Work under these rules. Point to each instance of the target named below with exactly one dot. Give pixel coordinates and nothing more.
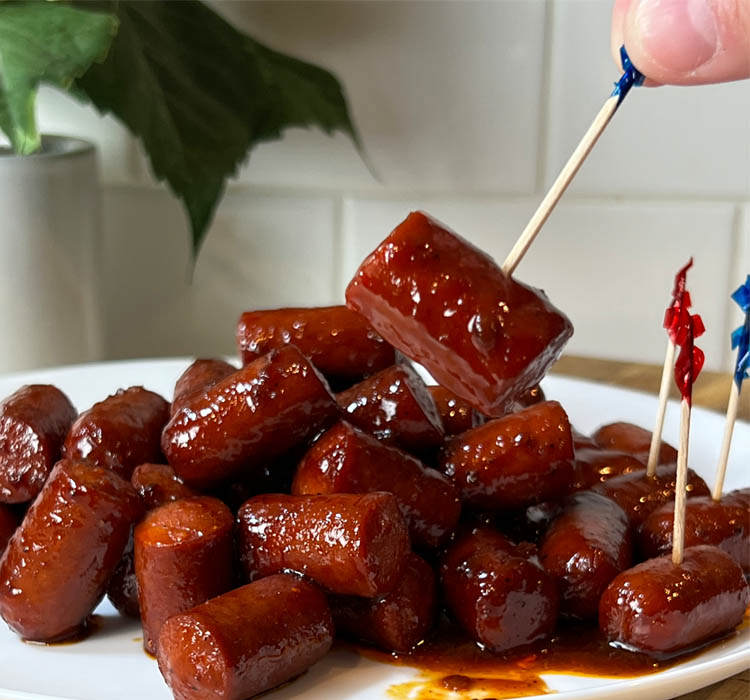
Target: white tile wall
(467, 110)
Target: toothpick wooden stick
(666, 377)
(734, 399)
(630, 77)
(678, 534)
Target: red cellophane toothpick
(689, 364)
(674, 319)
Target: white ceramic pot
(49, 238)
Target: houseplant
(197, 94)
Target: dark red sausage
(156, 484)
(183, 557)
(197, 379)
(724, 524)
(525, 399)
(584, 549)
(596, 465)
(501, 599)
(346, 460)
(245, 641)
(581, 441)
(512, 462)
(8, 525)
(120, 432)
(659, 606)
(638, 494)
(57, 565)
(395, 406)
(350, 544)
(33, 424)
(448, 306)
(631, 438)
(338, 341)
(399, 620)
(456, 414)
(254, 415)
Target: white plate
(111, 665)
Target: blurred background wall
(467, 110)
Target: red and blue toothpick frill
(677, 315)
(741, 335)
(630, 77)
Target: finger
(619, 11)
(689, 42)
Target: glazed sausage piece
(639, 495)
(447, 305)
(156, 484)
(724, 524)
(346, 460)
(395, 406)
(658, 606)
(183, 557)
(399, 620)
(120, 432)
(198, 378)
(33, 424)
(245, 641)
(253, 416)
(501, 599)
(456, 415)
(584, 549)
(515, 461)
(631, 438)
(8, 525)
(338, 341)
(77, 530)
(595, 465)
(525, 399)
(350, 544)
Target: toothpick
(666, 378)
(734, 399)
(680, 489)
(630, 77)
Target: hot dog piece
(395, 406)
(245, 641)
(584, 549)
(350, 544)
(254, 415)
(157, 484)
(448, 306)
(8, 525)
(77, 530)
(338, 341)
(346, 460)
(596, 465)
(120, 432)
(639, 495)
(501, 599)
(33, 424)
(399, 620)
(183, 557)
(456, 415)
(724, 524)
(512, 462)
(198, 378)
(659, 606)
(631, 438)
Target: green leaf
(199, 94)
(44, 42)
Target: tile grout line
(543, 127)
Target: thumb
(688, 42)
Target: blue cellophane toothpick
(741, 335)
(631, 76)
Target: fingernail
(680, 35)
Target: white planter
(49, 238)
